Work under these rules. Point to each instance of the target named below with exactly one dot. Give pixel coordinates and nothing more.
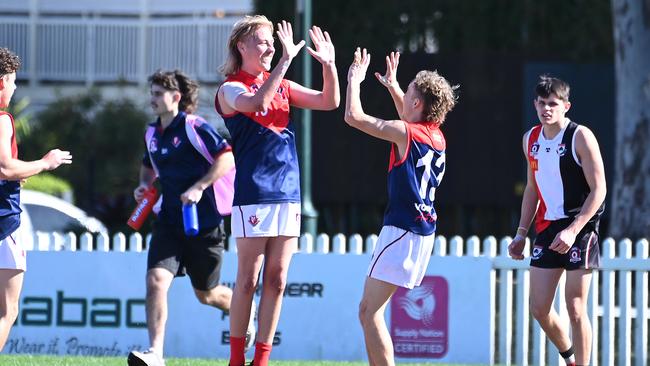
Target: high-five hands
(359, 67)
(324, 51)
(285, 35)
(389, 79)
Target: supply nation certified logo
(419, 320)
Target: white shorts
(12, 253)
(400, 257)
(266, 220)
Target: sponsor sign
(419, 323)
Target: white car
(47, 213)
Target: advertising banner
(93, 304)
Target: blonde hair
(439, 96)
(241, 30)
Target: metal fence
(618, 305)
(93, 49)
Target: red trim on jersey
(540, 222)
(14, 145)
(276, 117)
(426, 132)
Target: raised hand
(324, 52)
(359, 67)
(389, 79)
(285, 35)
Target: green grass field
(121, 361)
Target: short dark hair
(548, 85)
(9, 61)
(177, 81)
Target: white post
(70, 242)
(338, 244)
(135, 242)
(609, 285)
(306, 243)
(119, 242)
(594, 313)
(539, 345)
(322, 244)
(641, 299)
(232, 244)
(371, 243)
(147, 240)
(473, 246)
(57, 241)
(523, 326)
(456, 246)
(440, 246)
(86, 242)
(505, 309)
(103, 244)
(490, 250)
(624, 338)
(356, 244)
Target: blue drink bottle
(190, 219)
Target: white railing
(92, 49)
(618, 305)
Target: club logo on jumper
(537, 251)
(153, 145)
(561, 149)
(420, 319)
(548, 149)
(176, 141)
(534, 149)
(575, 255)
(253, 220)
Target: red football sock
(262, 354)
(237, 356)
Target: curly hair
(548, 85)
(9, 61)
(177, 81)
(241, 30)
(439, 96)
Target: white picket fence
(618, 305)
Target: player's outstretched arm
(330, 97)
(529, 203)
(389, 80)
(260, 101)
(15, 169)
(393, 131)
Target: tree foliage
(105, 139)
(557, 30)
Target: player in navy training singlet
(13, 262)
(185, 176)
(565, 192)
(417, 165)
(254, 104)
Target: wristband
(522, 228)
(519, 237)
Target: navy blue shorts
(584, 254)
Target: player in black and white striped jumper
(565, 193)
